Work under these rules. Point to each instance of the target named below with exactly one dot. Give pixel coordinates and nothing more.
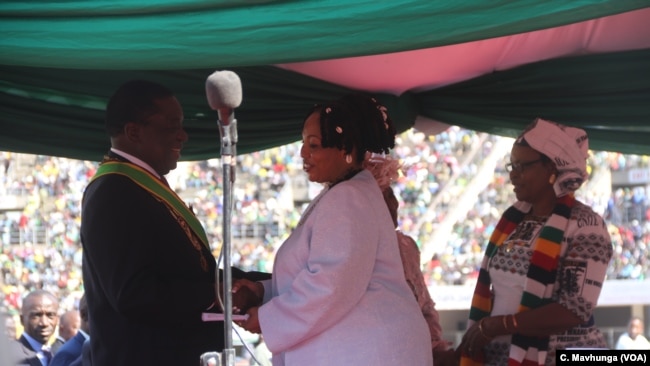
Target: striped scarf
(540, 281)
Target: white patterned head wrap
(567, 147)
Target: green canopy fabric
(60, 61)
(191, 34)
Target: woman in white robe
(338, 295)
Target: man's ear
(132, 131)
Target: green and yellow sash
(157, 188)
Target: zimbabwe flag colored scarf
(153, 185)
(540, 281)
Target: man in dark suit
(68, 327)
(84, 359)
(148, 268)
(71, 349)
(39, 317)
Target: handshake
(245, 295)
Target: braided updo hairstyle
(358, 121)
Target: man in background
(68, 326)
(39, 317)
(633, 338)
(71, 350)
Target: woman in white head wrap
(546, 260)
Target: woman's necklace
(349, 174)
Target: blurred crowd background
(41, 246)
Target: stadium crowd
(41, 248)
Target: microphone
(223, 89)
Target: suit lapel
(30, 353)
(26, 344)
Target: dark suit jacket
(143, 279)
(58, 342)
(22, 353)
(69, 351)
(84, 359)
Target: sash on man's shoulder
(157, 188)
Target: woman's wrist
(482, 329)
(509, 324)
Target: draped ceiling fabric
(490, 66)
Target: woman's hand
(474, 340)
(252, 324)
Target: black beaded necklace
(351, 173)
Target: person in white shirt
(633, 338)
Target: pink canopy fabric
(431, 68)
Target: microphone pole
(223, 89)
(228, 158)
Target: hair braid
(357, 121)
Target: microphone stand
(228, 151)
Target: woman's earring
(551, 179)
(348, 159)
